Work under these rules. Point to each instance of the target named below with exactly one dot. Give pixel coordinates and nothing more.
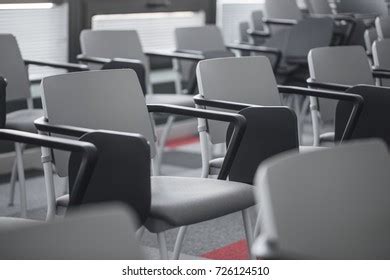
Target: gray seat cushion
(23, 120)
(172, 99)
(7, 223)
(184, 201)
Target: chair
(380, 51)
(368, 9)
(370, 36)
(330, 68)
(382, 25)
(222, 85)
(295, 206)
(13, 68)
(93, 233)
(175, 201)
(101, 46)
(319, 7)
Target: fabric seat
(23, 120)
(177, 99)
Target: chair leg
(248, 231)
(49, 183)
(179, 242)
(258, 224)
(22, 181)
(163, 140)
(162, 243)
(13, 184)
(140, 233)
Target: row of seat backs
(377, 7)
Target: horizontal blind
(42, 34)
(156, 30)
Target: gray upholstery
(242, 79)
(321, 7)
(380, 53)
(370, 35)
(111, 100)
(343, 213)
(24, 119)
(98, 233)
(347, 65)
(382, 25)
(282, 9)
(12, 67)
(257, 24)
(184, 201)
(375, 7)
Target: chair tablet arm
(327, 86)
(381, 73)
(67, 66)
(178, 54)
(355, 99)
(90, 59)
(42, 125)
(258, 33)
(221, 104)
(237, 120)
(327, 137)
(280, 21)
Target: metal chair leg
(22, 181)
(162, 243)
(13, 184)
(248, 231)
(163, 140)
(179, 242)
(140, 233)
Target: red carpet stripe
(182, 141)
(234, 251)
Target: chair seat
(8, 223)
(178, 201)
(23, 120)
(171, 99)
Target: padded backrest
(382, 25)
(308, 34)
(112, 44)
(371, 123)
(97, 233)
(321, 7)
(257, 23)
(283, 9)
(247, 80)
(376, 7)
(121, 174)
(329, 204)
(200, 38)
(110, 100)
(13, 69)
(380, 53)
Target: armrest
(355, 99)
(89, 59)
(221, 104)
(259, 49)
(178, 54)
(87, 151)
(68, 66)
(280, 21)
(258, 33)
(381, 73)
(328, 86)
(237, 120)
(44, 126)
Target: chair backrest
(3, 105)
(112, 44)
(111, 100)
(97, 233)
(347, 65)
(121, 174)
(319, 7)
(256, 23)
(261, 140)
(329, 204)
(375, 7)
(370, 35)
(380, 53)
(247, 80)
(283, 9)
(382, 25)
(308, 34)
(13, 69)
(371, 121)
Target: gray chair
(370, 36)
(327, 215)
(13, 68)
(382, 25)
(95, 233)
(105, 45)
(380, 55)
(175, 201)
(319, 7)
(337, 68)
(363, 8)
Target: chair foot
(179, 242)
(248, 232)
(162, 243)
